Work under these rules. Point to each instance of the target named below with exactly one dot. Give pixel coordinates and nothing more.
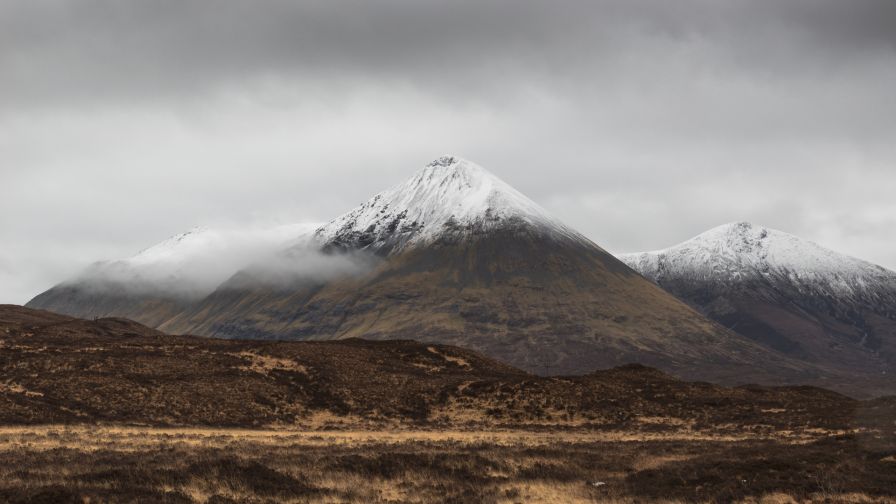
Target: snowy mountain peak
(197, 260)
(448, 195)
(741, 251)
(175, 246)
(444, 161)
(742, 238)
(741, 229)
(454, 176)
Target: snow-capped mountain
(197, 261)
(787, 292)
(449, 198)
(742, 252)
(453, 255)
(463, 258)
(156, 282)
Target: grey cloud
(104, 48)
(302, 266)
(241, 262)
(641, 123)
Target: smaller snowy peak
(179, 245)
(448, 195)
(205, 242)
(742, 251)
(197, 261)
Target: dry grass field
(59, 464)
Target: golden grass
(97, 437)
(113, 463)
(264, 364)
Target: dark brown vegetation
(109, 410)
(57, 369)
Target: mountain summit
(785, 292)
(449, 198)
(741, 251)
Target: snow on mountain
(201, 241)
(197, 261)
(449, 195)
(742, 252)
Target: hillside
(57, 369)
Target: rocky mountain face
(789, 294)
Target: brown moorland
(109, 410)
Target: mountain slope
(786, 293)
(462, 258)
(162, 280)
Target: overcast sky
(640, 123)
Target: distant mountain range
(786, 293)
(455, 255)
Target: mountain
(160, 281)
(786, 293)
(455, 255)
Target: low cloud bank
(302, 265)
(193, 264)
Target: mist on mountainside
(193, 264)
(302, 265)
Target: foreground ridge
(115, 370)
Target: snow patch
(449, 195)
(741, 251)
